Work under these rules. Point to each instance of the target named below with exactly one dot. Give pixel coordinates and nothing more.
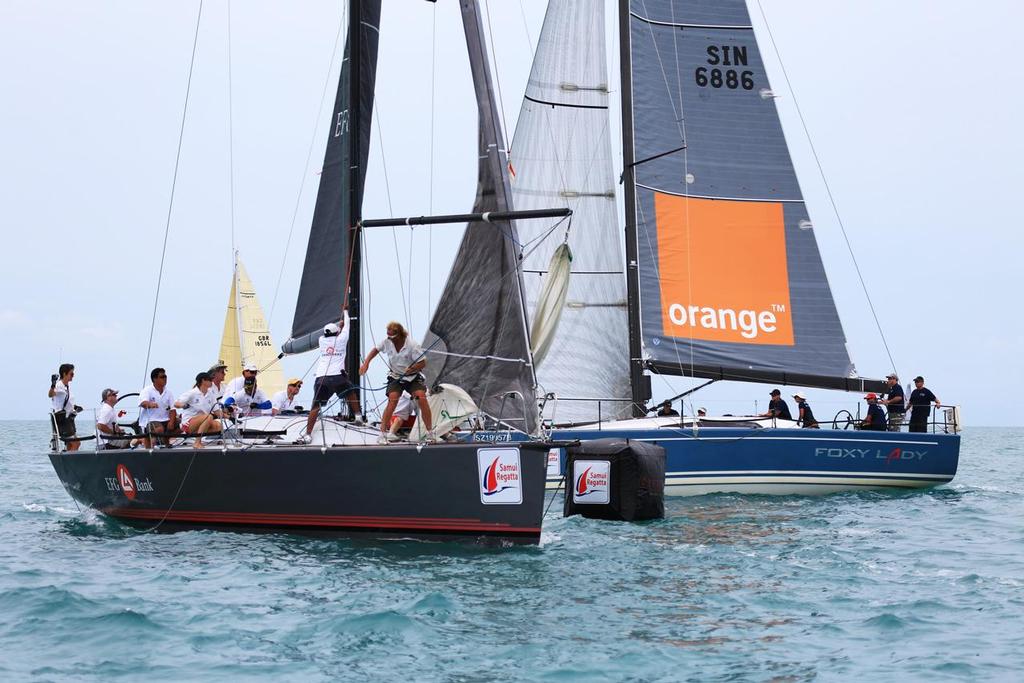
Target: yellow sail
(246, 337)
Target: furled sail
(478, 338)
(246, 337)
(322, 288)
(562, 156)
(731, 283)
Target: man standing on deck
(777, 408)
(64, 408)
(331, 378)
(921, 399)
(894, 402)
(803, 408)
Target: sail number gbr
(717, 77)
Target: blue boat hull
(782, 461)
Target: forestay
(731, 283)
(562, 156)
(478, 338)
(322, 288)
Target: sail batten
(730, 282)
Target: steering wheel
(850, 422)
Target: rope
(828, 189)
(231, 138)
(174, 182)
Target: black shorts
(65, 423)
(331, 385)
(396, 385)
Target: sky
(912, 108)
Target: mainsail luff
(730, 280)
(332, 253)
(478, 338)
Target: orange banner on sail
(723, 271)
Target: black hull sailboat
(438, 492)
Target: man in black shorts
(331, 378)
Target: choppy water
(905, 586)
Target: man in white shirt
(331, 378)
(63, 406)
(157, 403)
(249, 371)
(284, 401)
(219, 388)
(250, 401)
(106, 423)
(405, 359)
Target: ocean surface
(925, 585)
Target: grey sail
(730, 280)
(561, 155)
(329, 257)
(478, 338)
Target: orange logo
(722, 268)
(124, 478)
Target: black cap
(919, 378)
(203, 376)
(776, 392)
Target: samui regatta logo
(501, 476)
(592, 479)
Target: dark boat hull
(443, 491)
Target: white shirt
(233, 387)
(164, 401)
(332, 352)
(398, 361)
(242, 401)
(62, 397)
(106, 415)
(196, 403)
(281, 401)
(220, 392)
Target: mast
(638, 381)
(355, 190)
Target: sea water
(914, 585)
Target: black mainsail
(332, 253)
(478, 337)
(728, 282)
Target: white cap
(332, 328)
(800, 396)
(250, 367)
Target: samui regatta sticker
(500, 476)
(591, 481)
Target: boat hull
(784, 461)
(433, 492)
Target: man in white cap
(331, 378)
(249, 371)
(702, 412)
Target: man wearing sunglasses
(157, 403)
(284, 401)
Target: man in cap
(806, 417)
(249, 371)
(702, 412)
(875, 420)
(921, 399)
(666, 410)
(777, 408)
(331, 378)
(106, 422)
(284, 400)
(219, 388)
(893, 402)
(249, 401)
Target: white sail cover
(562, 156)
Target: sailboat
(343, 483)
(721, 276)
(246, 339)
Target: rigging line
(430, 199)
(664, 75)
(305, 166)
(174, 182)
(497, 78)
(391, 211)
(828, 189)
(231, 138)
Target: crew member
(198, 404)
(64, 408)
(405, 359)
(331, 378)
(249, 371)
(106, 423)
(875, 420)
(284, 400)
(250, 401)
(666, 410)
(157, 403)
(219, 388)
(702, 412)
(921, 399)
(806, 416)
(777, 408)
(894, 402)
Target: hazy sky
(913, 108)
